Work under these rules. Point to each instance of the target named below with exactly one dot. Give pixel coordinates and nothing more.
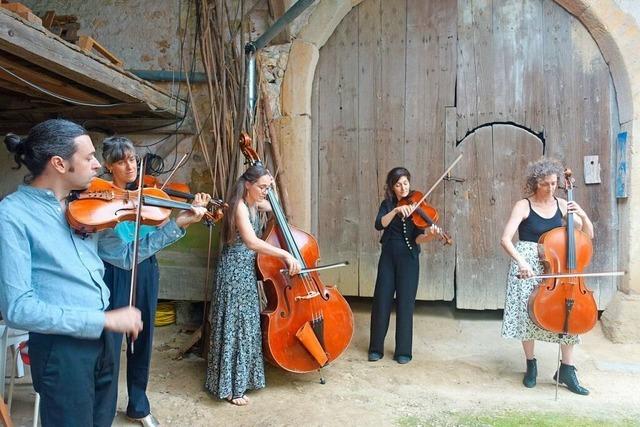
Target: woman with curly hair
(532, 216)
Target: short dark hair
(55, 137)
(392, 177)
(115, 148)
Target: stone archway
(617, 36)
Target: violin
(424, 215)
(176, 190)
(563, 303)
(306, 324)
(181, 192)
(103, 205)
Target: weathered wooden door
(493, 161)
(413, 82)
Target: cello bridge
(309, 295)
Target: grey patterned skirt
(235, 362)
(516, 322)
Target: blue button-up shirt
(50, 277)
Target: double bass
(306, 324)
(563, 303)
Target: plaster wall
(145, 34)
(630, 7)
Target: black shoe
(403, 359)
(529, 379)
(374, 356)
(568, 377)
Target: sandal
(238, 400)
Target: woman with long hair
(235, 362)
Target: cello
(306, 324)
(562, 303)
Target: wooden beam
(131, 111)
(56, 85)
(38, 46)
(19, 89)
(103, 125)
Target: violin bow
(136, 234)
(320, 268)
(567, 275)
(166, 181)
(438, 181)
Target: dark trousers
(119, 282)
(397, 274)
(74, 378)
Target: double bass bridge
(308, 296)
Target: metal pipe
(292, 13)
(252, 86)
(169, 76)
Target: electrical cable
(165, 314)
(63, 98)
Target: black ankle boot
(529, 379)
(568, 377)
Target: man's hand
(126, 320)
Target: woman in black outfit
(398, 268)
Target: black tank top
(535, 226)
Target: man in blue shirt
(51, 277)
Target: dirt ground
(462, 373)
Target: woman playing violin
(532, 216)
(121, 162)
(235, 362)
(398, 268)
(51, 278)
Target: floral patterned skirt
(235, 362)
(516, 322)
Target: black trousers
(119, 283)
(74, 378)
(398, 270)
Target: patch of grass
(544, 419)
(412, 421)
(517, 419)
